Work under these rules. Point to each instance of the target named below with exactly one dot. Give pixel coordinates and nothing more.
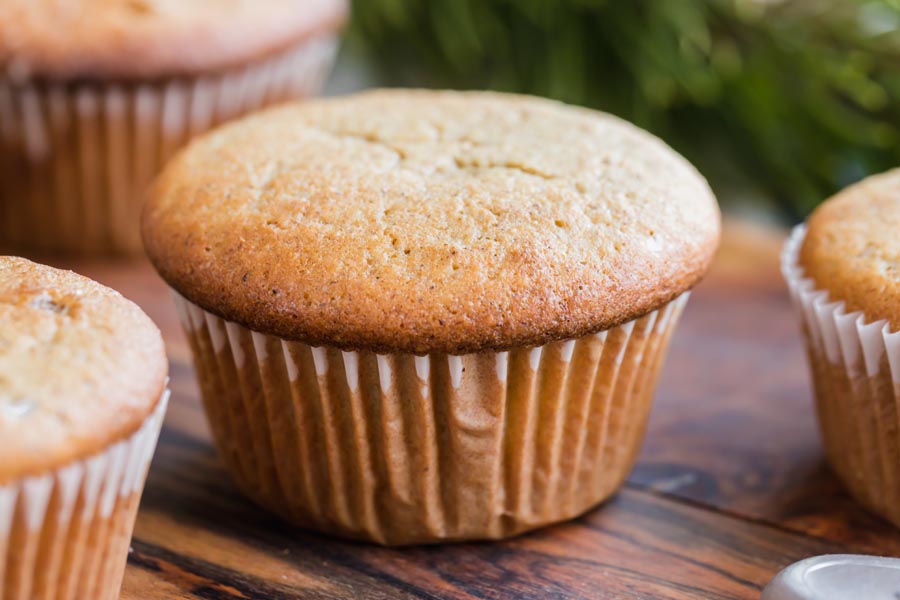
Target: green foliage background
(779, 101)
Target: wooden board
(731, 485)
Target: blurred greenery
(778, 101)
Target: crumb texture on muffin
(80, 367)
(852, 248)
(86, 39)
(418, 221)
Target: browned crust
(852, 248)
(112, 42)
(90, 363)
(259, 310)
(519, 282)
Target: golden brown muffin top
(80, 367)
(125, 39)
(423, 221)
(852, 247)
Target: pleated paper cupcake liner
(405, 449)
(76, 159)
(855, 364)
(64, 535)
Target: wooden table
(731, 485)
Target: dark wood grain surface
(731, 485)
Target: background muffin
(843, 269)
(424, 316)
(95, 95)
(82, 397)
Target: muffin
(843, 271)
(82, 397)
(429, 316)
(95, 95)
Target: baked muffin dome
(80, 367)
(88, 39)
(852, 247)
(430, 221)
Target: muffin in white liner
(855, 363)
(427, 316)
(88, 117)
(82, 398)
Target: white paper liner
(77, 159)
(855, 364)
(403, 449)
(65, 534)
(847, 339)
